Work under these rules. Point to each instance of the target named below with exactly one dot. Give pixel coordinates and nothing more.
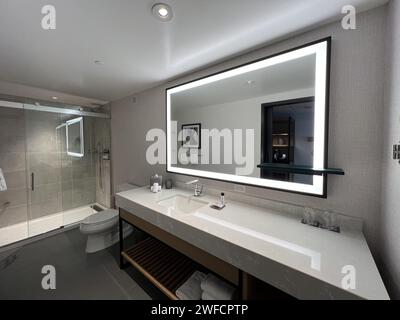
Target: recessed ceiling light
(162, 11)
(250, 82)
(99, 62)
(54, 98)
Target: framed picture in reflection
(191, 136)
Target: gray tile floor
(78, 275)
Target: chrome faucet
(198, 188)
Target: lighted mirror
(262, 124)
(74, 137)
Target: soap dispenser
(156, 179)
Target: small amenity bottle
(222, 199)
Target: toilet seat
(102, 230)
(99, 221)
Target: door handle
(32, 181)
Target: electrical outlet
(396, 152)
(239, 188)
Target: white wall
(131, 119)
(390, 217)
(355, 121)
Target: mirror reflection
(260, 101)
(287, 137)
(74, 139)
(239, 124)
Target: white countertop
(303, 261)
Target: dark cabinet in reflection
(286, 137)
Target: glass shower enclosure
(56, 167)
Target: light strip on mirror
(76, 155)
(317, 188)
(320, 105)
(292, 186)
(69, 123)
(320, 113)
(247, 68)
(75, 120)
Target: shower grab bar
(32, 181)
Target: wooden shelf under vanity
(168, 261)
(165, 267)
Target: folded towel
(207, 296)
(191, 290)
(218, 288)
(3, 185)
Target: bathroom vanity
(259, 250)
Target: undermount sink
(183, 204)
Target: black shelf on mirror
(276, 167)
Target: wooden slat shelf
(165, 267)
(168, 262)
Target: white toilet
(102, 227)
(102, 230)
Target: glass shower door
(61, 174)
(13, 190)
(44, 175)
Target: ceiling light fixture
(162, 11)
(54, 98)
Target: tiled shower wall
(83, 181)
(78, 174)
(102, 142)
(12, 161)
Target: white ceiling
(284, 77)
(139, 51)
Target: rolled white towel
(3, 185)
(218, 288)
(191, 289)
(207, 296)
